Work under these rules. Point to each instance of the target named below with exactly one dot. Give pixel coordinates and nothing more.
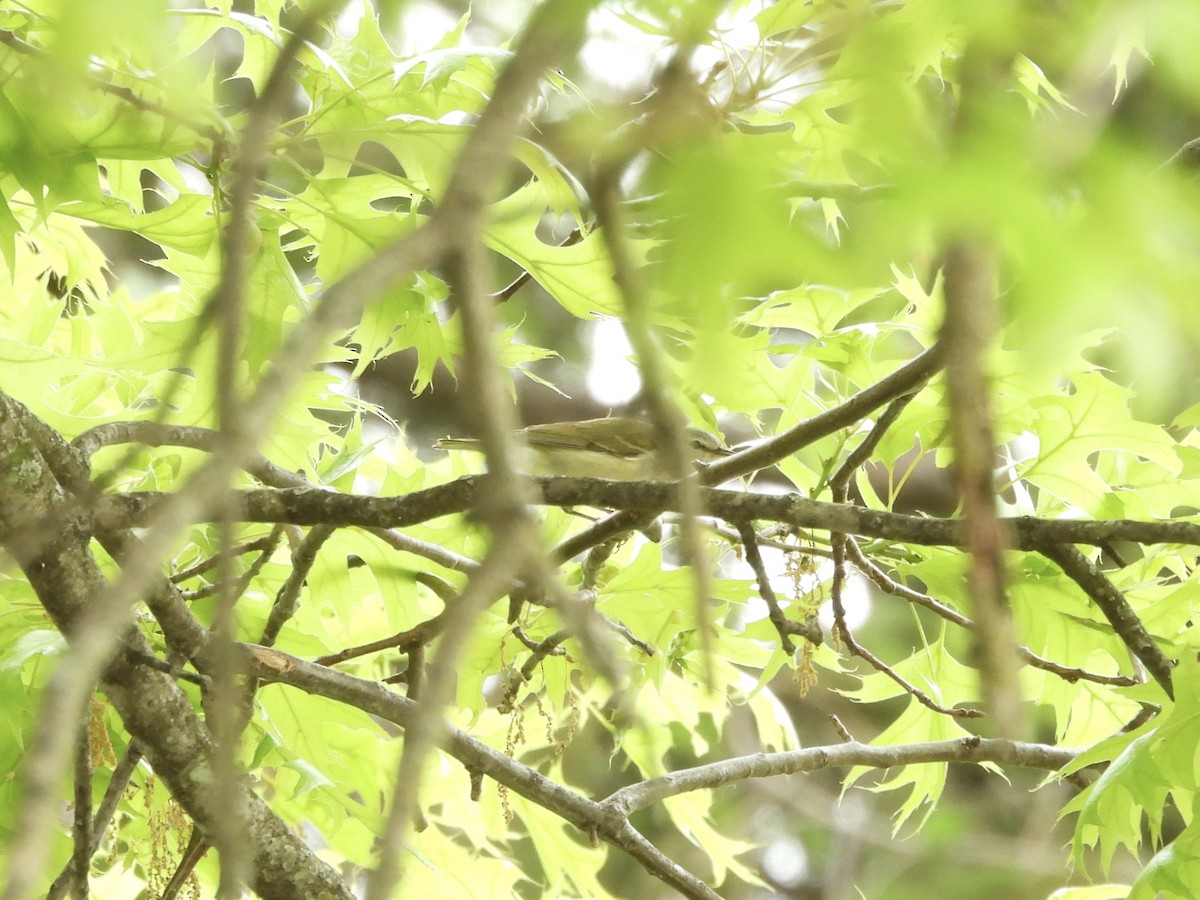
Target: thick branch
(155, 710)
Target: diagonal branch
(554, 32)
(371, 697)
(608, 820)
(905, 380)
(784, 626)
(842, 630)
(666, 416)
(891, 586)
(1116, 609)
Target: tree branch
(665, 415)
(1116, 609)
(903, 381)
(553, 33)
(890, 586)
(587, 815)
(155, 710)
(314, 507)
(629, 800)
(113, 795)
(784, 626)
(842, 630)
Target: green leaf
(578, 276)
(185, 225)
(1093, 419)
(29, 645)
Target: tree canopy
(930, 269)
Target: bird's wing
(619, 437)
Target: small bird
(616, 449)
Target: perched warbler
(617, 449)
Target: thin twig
(158, 434)
(549, 646)
(113, 795)
(508, 291)
(197, 847)
(207, 565)
(288, 598)
(842, 631)
(81, 831)
(890, 586)
(842, 731)
(664, 413)
(905, 380)
(404, 641)
(237, 587)
(839, 482)
(626, 633)
(784, 626)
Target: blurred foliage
(788, 206)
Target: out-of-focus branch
(554, 32)
(127, 95)
(587, 815)
(608, 819)
(666, 416)
(968, 333)
(249, 159)
(156, 712)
